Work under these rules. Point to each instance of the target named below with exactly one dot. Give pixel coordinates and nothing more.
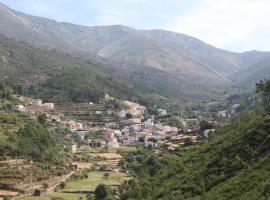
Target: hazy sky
(236, 25)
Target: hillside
(254, 73)
(56, 76)
(178, 54)
(59, 76)
(234, 165)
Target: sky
(236, 25)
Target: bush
(45, 185)
(106, 175)
(62, 185)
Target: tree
(175, 121)
(103, 192)
(42, 119)
(62, 185)
(168, 138)
(45, 185)
(128, 116)
(263, 87)
(188, 142)
(106, 175)
(154, 140)
(141, 139)
(36, 141)
(204, 125)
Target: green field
(73, 188)
(66, 196)
(58, 195)
(94, 179)
(35, 198)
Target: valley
(115, 112)
(92, 141)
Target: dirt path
(51, 189)
(64, 179)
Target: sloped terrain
(235, 165)
(254, 73)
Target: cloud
(227, 23)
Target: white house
(81, 133)
(162, 112)
(117, 132)
(49, 106)
(113, 143)
(135, 120)
(71, 147)
(223, 113)
(148, 123)
(38, 102)
(84, 148)
(21, 108)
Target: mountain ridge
(175, 53)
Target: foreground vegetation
(234, 165)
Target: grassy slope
(233, 166)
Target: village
(126, 127)
(94, 135)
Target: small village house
(49, 106)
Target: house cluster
(230, 112)
(135, 128)
(138, 130)
(33, 106)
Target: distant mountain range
(154, 60)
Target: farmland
(89, 184)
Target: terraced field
(95, 178)
(76, 189)
(95, 114)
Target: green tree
(263, 87)
(204, 125)
(103, 192)
(42, 119)
(141, 139)
(175, 122)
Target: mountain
(178, 54)
(58, 76)
(253, 74)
